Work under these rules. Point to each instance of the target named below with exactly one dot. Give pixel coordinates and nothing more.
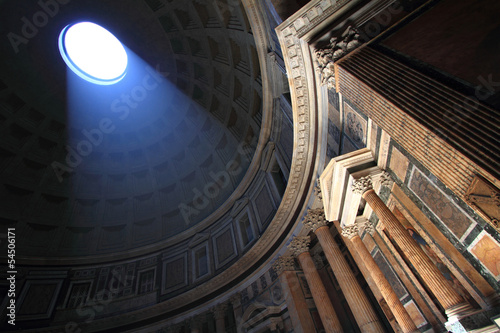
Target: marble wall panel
(487, 250)
(440, 204)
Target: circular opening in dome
(93, 53)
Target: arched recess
(259, 318)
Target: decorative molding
(336, 49)
(284, 263)
(198, 238)
(326, 68)
(368, 227)
(361, 185)
(317, 191)
(49, 302)
(299, 245)
(239, 205)
(215, 246)
(165, 288)
(312, 15)
(386, 179)
(315, 218)
(350, 231)
(267, 156)
(335, 180)
(484, 198)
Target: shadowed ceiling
(159, 168)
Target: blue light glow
(93, 53)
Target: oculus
(93, 53)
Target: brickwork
(413, 108)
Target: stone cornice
(314, 15)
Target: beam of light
(93, 53)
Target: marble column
(452, 302)
(402, 317)
(296, 302)
(219, 312)
(300, 248)
(363, 312)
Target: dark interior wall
(461, 38)
(285, 8)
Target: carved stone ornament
(386, 179)
(317, 192)
(361, 185)
(284, 263)
(315, 218)
(349, 231)
(369, 227)
(300, 245)
(484, 198)
(336, 49)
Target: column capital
(386, 179)
(315, 218)
(361, 185)
(299, 245)
(284, 263)
(349, 231)
(369, 227)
